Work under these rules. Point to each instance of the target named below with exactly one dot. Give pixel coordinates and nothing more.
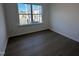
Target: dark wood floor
(43, 43)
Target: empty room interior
(39, 29)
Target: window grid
(30, 17)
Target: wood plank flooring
(43, 43)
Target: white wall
(13, 25)
(3, 35)
(64, 19)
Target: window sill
(30, 24)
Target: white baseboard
(26, 33)
(66, 35)
(2, 53)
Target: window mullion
(31, 14)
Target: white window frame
(33, 14)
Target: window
(29, 13)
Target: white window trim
(32, 17)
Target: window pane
(24, 8)
(25, 19)
(24, 13)
(37, 18)
(37, 13)
(37, 9)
